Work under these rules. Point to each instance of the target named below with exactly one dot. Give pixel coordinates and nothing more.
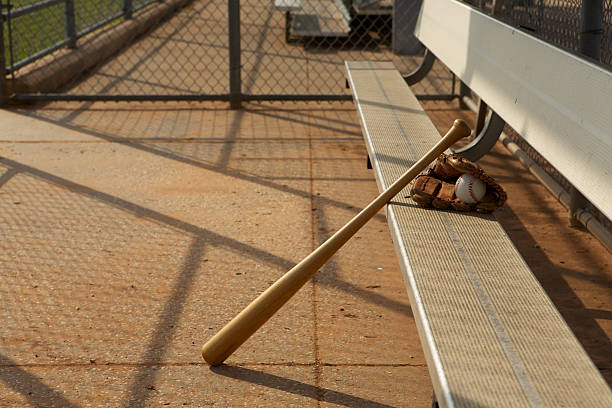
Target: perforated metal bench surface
(491, 335)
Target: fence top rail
(32, 8)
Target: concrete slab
(391, 386)
(129, 242)
(361, 293)
(194, 230)
(150, 122)
(37, 129)
(132, 232)
(76, 278)
(159, 386)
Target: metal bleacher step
(320, 18)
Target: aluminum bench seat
(491, 335)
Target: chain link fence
(267, 49)
(113, 47)
(583, 27)
(558, 22)
(310, 44)
(192, 49)
(37, 28)
(606, 48)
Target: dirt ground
(132, 232)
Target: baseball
(469, 189)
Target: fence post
(496, 7)
(70, 23)
(540, 22)
(464, 91)
(3, 87)
(235, 85)
(127, 9)
(591, 30)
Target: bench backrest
(560, 104)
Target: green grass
(42, 29)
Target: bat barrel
(241, 327)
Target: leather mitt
(436, 188)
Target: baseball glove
(436, 188)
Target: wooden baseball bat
(237, 331)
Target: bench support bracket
(577, 202)
(485, 139)
(422, 70)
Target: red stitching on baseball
(470, 190)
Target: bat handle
(241, 327)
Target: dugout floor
(130, 233)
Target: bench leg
(485, 139)
(481, 116)
(422, 70)
(288, 38)
(287, 22)
(577, 202)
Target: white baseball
(469, 189)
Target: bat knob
(460, 129)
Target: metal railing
(74, 25)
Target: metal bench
(491, 335)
